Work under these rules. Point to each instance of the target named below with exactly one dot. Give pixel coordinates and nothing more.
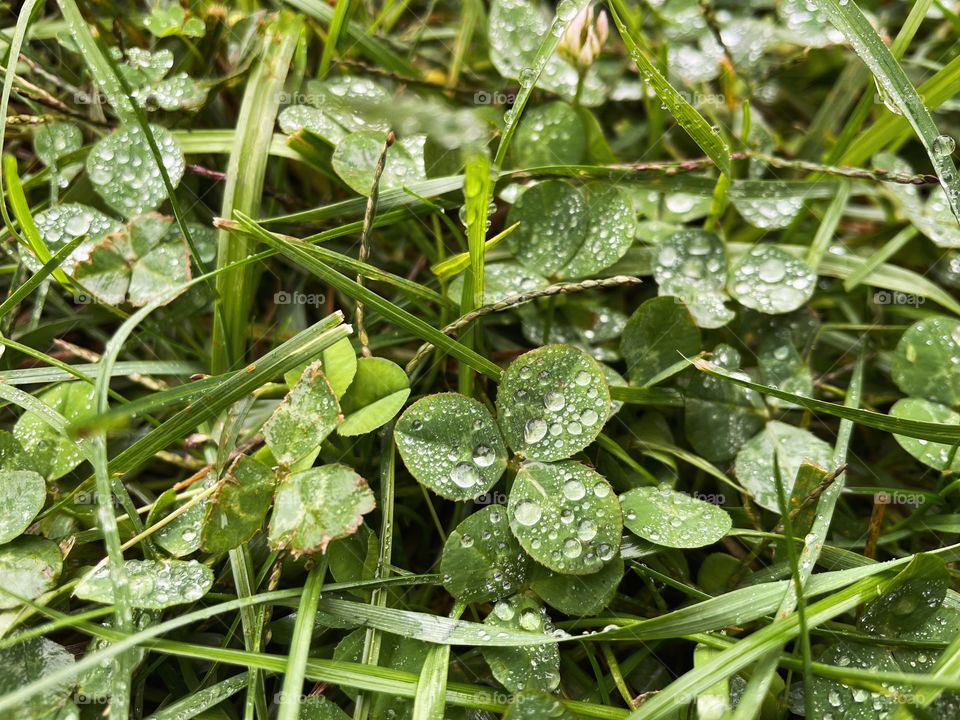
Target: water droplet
(534, 431)
(527, 513)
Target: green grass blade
(300, 645)
(548, 45)
(245, 175)
(934, 432)
(389, 310)
(847, 17)
(700, 131)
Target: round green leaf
(29, 566)
(770, 280)
(553, 219)
(51, 141)
(536, 705)
(768, 213)
(832, 698)
(581, 595)
(377, 393)
(552, 402)
(53, 454)
(535, 667)
(62, 223)
(914, 597)
(357, 155)
(935, 455)
(482, 561)
(318, 707)
(238, 507)
(22, 494)
(550, 134)
(500, 281)
(609, 231)
(783, 367)
(791, 445)
(692, 266)
(660, 333)
(927, 361)
(123, 170)
(515, 30)
(315, 506)
(566, 516)
(452, 445)
(181, 536)
(299, 117)
(29, 661)
(719, 416)
(673, 519)
(303, 420)
(154, 584)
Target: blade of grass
(880, 256)
(300, 644)
(847, 17)
(373, 641)
(386, 308)
(476, 193)
(341, 11)
(375, 50)
(699, 130)
(21, 211)
(934, 432)
(548, 46)
(246, 170)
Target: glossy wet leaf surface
(578, 594)
(305, 417)
(51, 453)
(660, 333)
(62, 223)
(315, 506)
(357, 154)
(720, 417)
(154, 584)
(552, 134)
(939, 456)
(32, 660)
(771, 281)
(673, 519)
(482, 560)
(516, 29)
(520, 668)
(552, 402)
(831, 698)
(125, 173)
(22, 494)
(692, 266)
(566, 516)
(927, 360)
(571, 232)
(238, 507)
(29, 567)
(533, 705)
(452, 445)
(378, 391)
(788, 447)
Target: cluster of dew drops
(536, 428)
